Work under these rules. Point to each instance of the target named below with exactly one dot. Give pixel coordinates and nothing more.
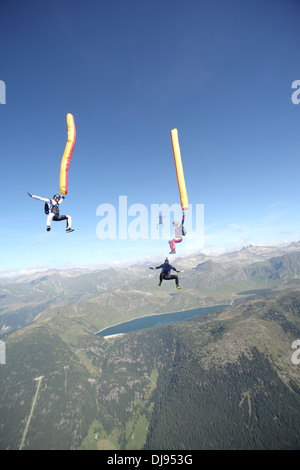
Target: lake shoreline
(156, 319)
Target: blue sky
(221, 71)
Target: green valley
(222, 380)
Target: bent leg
(174, 276)
(50, 217)
(69, 221)
(68, 218)
(172, 244)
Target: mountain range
(175, 386)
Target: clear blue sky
(221, 71)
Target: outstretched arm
(45, 199)
(174, 269)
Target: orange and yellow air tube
(179, 170)
(65, 162)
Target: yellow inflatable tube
(179, 170)
(65, 162)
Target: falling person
(165, 273)
(52, 211)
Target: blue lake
(155, 320)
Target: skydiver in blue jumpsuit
(165, 273)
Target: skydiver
(165, 273)
(52, 211)
(160, 219)
(179, 232)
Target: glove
(29, 194)
(151, 268)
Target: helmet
(56, 196)
(166, 260)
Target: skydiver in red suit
(179, 232)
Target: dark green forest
(210, 409)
